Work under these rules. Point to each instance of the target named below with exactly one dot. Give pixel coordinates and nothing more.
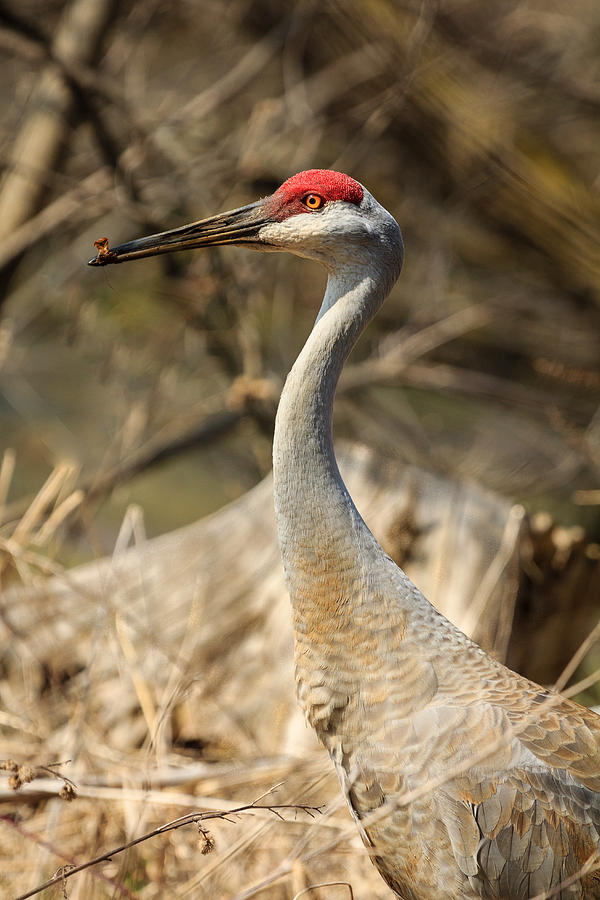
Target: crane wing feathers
(564, 736)
(538, 819)
(536, 829)
(518, 821)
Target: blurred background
(146, 393)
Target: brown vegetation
(162, 671)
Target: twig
(577, 657)
(149, 786)
(442, 377)
(404, 349)
(322, 884)
(24, 774)
(188, 819)
(492, 575)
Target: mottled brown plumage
(503, 774)
(466, 780)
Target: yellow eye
(313, 201)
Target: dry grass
(157, 684)
(93, 759)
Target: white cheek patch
(291, 232)
(314, 231)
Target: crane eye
(313, 201)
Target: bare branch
(188, 819)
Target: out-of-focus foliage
(477, 125)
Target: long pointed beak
(238, 226)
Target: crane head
(319, 214)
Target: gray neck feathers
(321, 533)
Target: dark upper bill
(238, 226)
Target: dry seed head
(67, 792)
(207, 841)
(26, 774)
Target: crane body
(466, 780)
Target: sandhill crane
(466, 780)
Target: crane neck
(323, 539)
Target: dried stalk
(188, 819)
